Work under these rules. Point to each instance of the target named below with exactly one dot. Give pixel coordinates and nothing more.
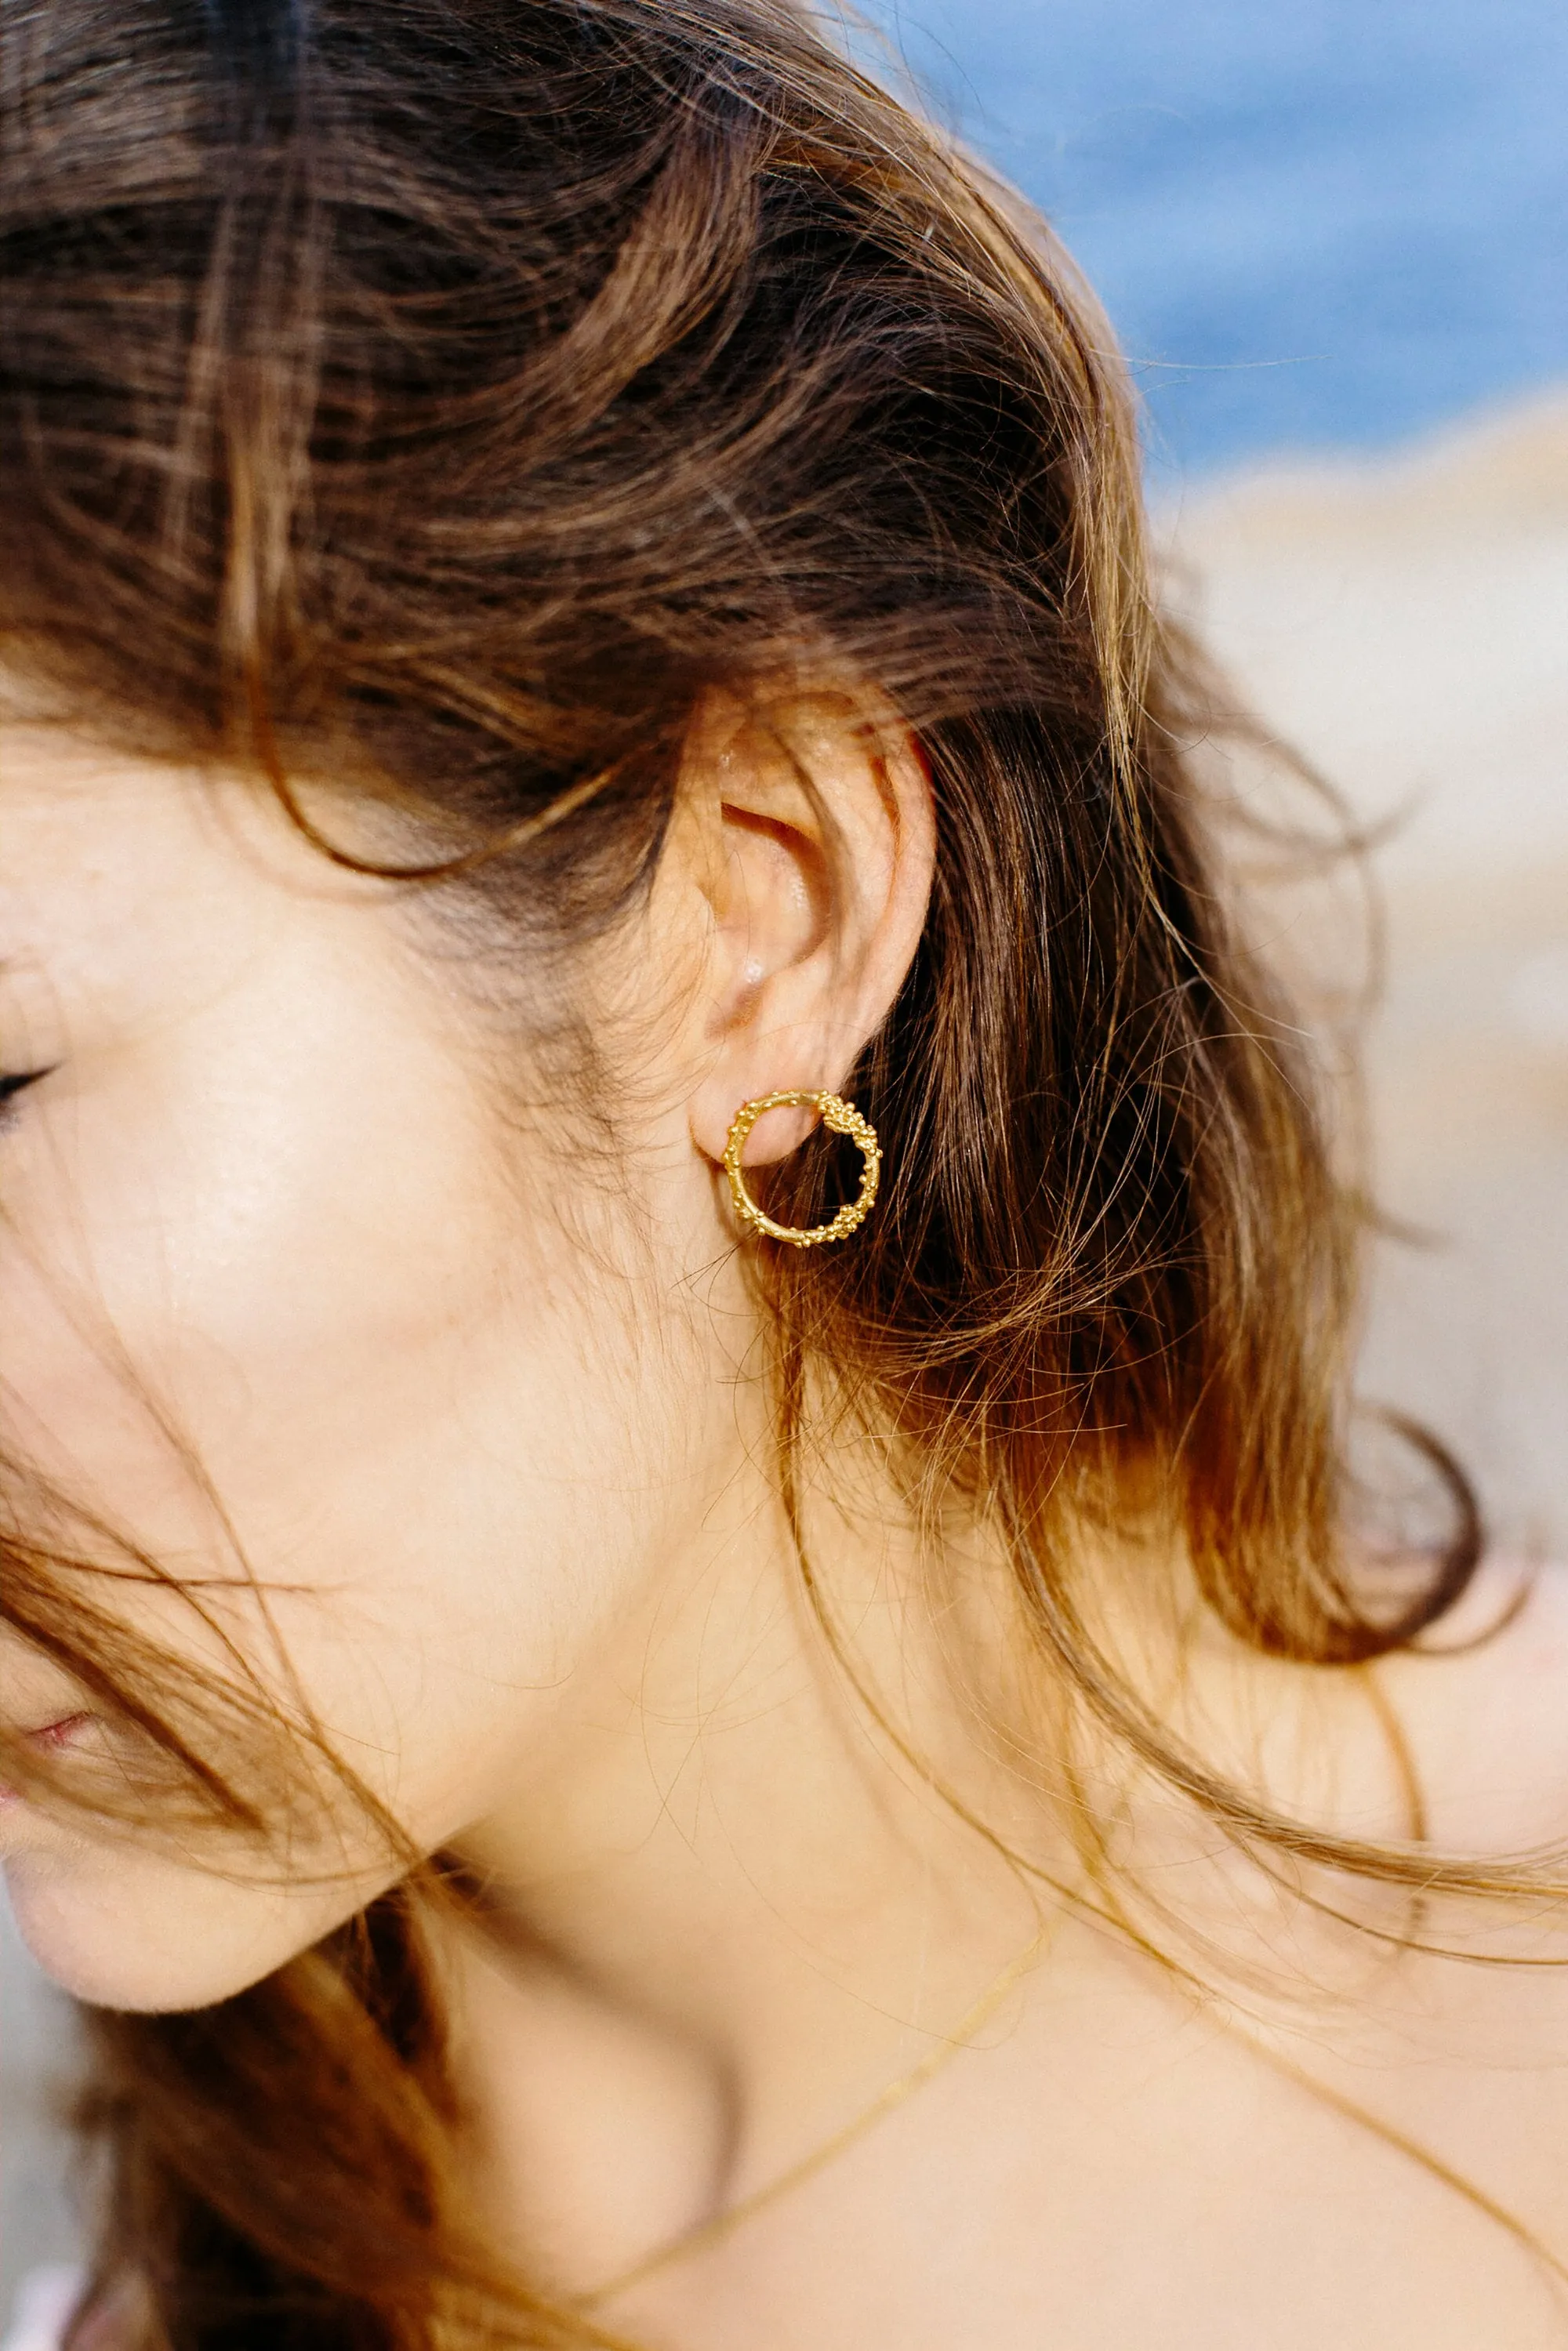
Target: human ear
(805, 827)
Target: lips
(60, 1732)
(51, 1737)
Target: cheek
(236, 1279)
(277, 1327)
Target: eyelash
(14, 1084)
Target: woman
(642, 1712)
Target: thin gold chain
(708, 2233)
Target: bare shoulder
(1484, 1703)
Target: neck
(723, 1906)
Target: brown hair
(455, 390)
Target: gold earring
(842, 1118)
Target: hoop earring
(842, 1118)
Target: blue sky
(1329, 223)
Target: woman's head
(570, 566)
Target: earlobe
(842, 1118)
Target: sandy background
(1405, 624)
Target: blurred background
(1332, 236)
(1322, 226)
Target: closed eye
(16, 1082)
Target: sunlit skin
(291, 1199)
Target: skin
(480, 1414)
